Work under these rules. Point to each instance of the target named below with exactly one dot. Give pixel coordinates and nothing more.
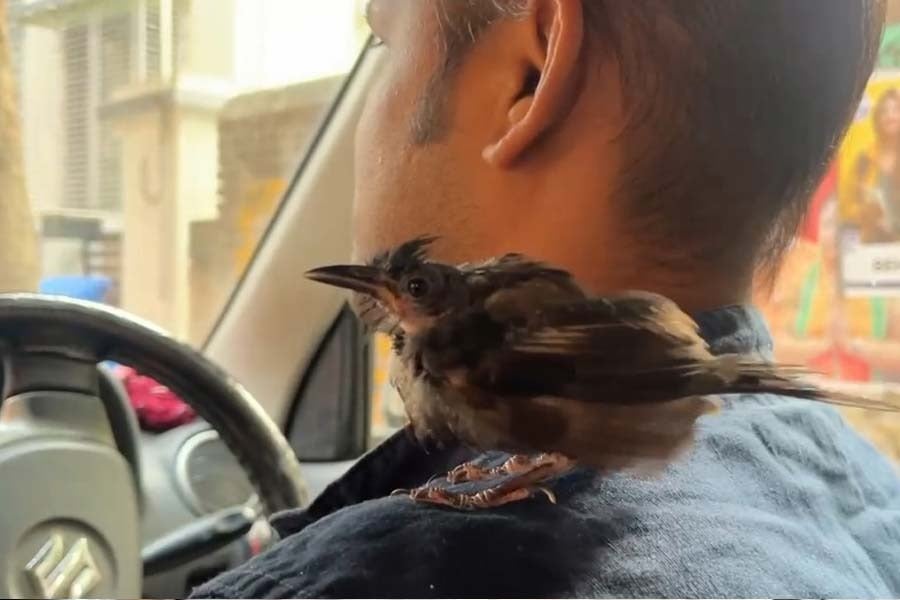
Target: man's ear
(553, 37)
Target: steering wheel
(69, 499)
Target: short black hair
(735, 109)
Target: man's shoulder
(607, 536)
(754, 511)
(393, 547)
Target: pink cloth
(157, 407)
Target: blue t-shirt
(780, 498)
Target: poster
(835, 306)
(869, 193)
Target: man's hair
(735, 108)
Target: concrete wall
(196, 199)
(170, 167)
(261, 137)
(205, 38)
(148, 212)
(42, 112)
(170, 128)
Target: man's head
(669, 145)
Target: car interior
(287, 388)
(306, 379)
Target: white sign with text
(871, 269)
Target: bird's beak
(363, 279)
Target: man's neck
(693, 292)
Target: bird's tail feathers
(743, 375)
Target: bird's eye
(417, 287)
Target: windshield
(159, 136)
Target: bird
(512, 354)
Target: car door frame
(275, 320)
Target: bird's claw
(523, 476)
(547, 492)
(490, 498)
(516, 465)
(469, 472)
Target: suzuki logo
(59, 573)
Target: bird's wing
(637, 343)
(516, 273)
(577, 327)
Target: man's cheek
(366, 129)
(377, 122)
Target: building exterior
(262, 136)
(121, 102)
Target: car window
(159, 136)
(386, 413)
(835, 305)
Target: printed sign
(869, 193)
(836, 304)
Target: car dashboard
(188, 473)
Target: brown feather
(523, 360)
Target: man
(667, 145)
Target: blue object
(83, 287)
(779, 499)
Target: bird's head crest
(402, 284)
(406, 256)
